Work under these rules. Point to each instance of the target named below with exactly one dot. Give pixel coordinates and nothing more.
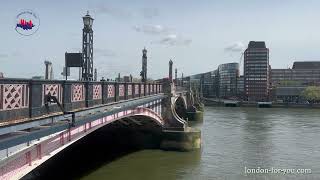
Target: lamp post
(176, 76)
(143, 72)
(87, 48)
(170, 70)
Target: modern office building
(306, 65)
(288, 84)
(256, 71)
(210, 86)
(240, 86)
(207, 85)
(228, 75)
(303, 73)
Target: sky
(197, 35)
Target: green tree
(289, 83)
(311, 93)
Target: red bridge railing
(21, 99)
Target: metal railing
(22, 99)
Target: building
(37, 77)
(288, 84)
(289, 93)
(240, 86)
(303, 73)
(210, 87)
(228, 75)
(306, 65)
(1, 75)
(256, 71)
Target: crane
(240, 60)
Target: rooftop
(306, 65)
(257, 44)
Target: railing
(22, 98)
(25, 160)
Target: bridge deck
(21, 132)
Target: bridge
(40, 118)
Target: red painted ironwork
(121, 90)
(52, 89)
(25, 161)
(111, 91)
(14, 96)
(96, 92)
(78, 92)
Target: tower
(143, 72)
(176, 74)
(182, 79)
(256, 71)
(49, 70)
(87, 48)
(170, 70)
(95, 74)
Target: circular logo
(27, 23)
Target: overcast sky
(198, 35)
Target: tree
(289, 83)
(311, 93)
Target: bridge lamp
(87, 20)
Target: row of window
(256, 79)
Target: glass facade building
(228, 76)
(210, 84)
(240, 87)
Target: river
(233, 141)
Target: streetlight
(87, 20)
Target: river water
(235, 142)
(233, 139)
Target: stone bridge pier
(179, 107)
(195, 108)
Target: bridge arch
(180, 106)
(124, 135)
(29, 159)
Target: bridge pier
(195, 107)
(186, 140)
(177, 135)
(195, 115)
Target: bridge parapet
(25, 98)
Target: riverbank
(247, 104)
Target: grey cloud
(99, 52)
(174, 40)
(147, 13)
(235, 47)
(3, 55)
(16, 53)
(150, 13)
(151, 29)
(13, 54)
(113, 11)
(104, 52)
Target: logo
(27, 23)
